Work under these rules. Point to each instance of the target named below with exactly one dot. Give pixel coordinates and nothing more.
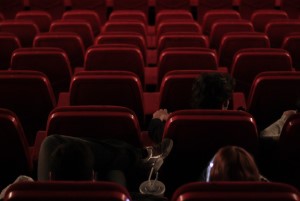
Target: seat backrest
(54, 7)
(277, 30)
(67, 190)
(8, 43)
(90, 16)
(247, 7)
(41, 18)
(71, 43)
(9, 8)
(248, 63)
(176, 89)
(124, 38)
(260, 18)
(245, 190)
(172, 5)
(97, 122)
(213, 15)
(120, 57)
(291, 43)
(206, 5)
(291, 7)
(271, 94)
(14, 148)
(198, 134)
(98, 6)
(165, 15)
(28, 94)
(289, 151)
(128, 15)
(221, 27)
(181, 41)
(53, 62)
(141, 5)
(25, 30)
(186, 59)
(81, 27)
(108, 88)
(126, 26)
(235, 41)
(166, 27)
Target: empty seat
(1, 17)
(288, 150)
(260, 18)
(167, 27)
(277, 30)
(107, 88)
(165, 15)
(221, 27)
(53, 62)
(98, 6)
(41, 18)
(197, 135)
(81, 27)
(248, 63)
(23, 29)
(291, 7)
(71, 43)
(206, 5)
(9, 8)
(186, 59)
(232, 42)
(54, 7)
(8, 43)
(15, 152)
(172, 5)
(29, 95)
(115, 57)
(87, 15)
(128, 15)
(67, 190)
(243, 190)
(291, 43)
(271, 94)
(141, 5)
(181, 40)
(126, 26)
(213, 15)
(247, 7)
(96, 122)
(124, 38)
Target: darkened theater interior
(120, 86)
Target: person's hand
(161, 114)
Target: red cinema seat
(41, 18)
(53, 62)
(166, 15)
(292, 7)
(8, 43)
(291, 43)
(206, 5)
(55, 8)
(128, 15)
(140, 5)
(247, 7)
(25, 30)
(87, 15)
(28, 94)
(248, 63)
(172, 5)
(9, 8)
(15, 150)
(67, 190)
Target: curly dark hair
(211, 90)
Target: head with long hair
(232, 163)
(212, 91)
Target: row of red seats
(214, 191)
(56, 8)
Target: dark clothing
(156, 129)
(110, 155)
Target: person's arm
(157, 125)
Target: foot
(161, 150)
